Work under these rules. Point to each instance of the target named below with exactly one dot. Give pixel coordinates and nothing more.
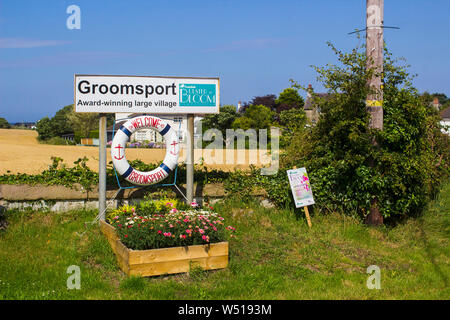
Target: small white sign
(300, 186)
(155, 95)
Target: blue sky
(255, 47)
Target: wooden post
(374, 101)
(308, 219)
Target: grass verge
(275, 256)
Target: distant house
(68, 136)
(435, 103)
(28, 125)
(178, 122)
(445, 114)
(311, 109)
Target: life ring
(123, 135)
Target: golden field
(21, 152)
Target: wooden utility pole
(374, 101)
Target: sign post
(102, 166)
(146, 94)
(190, 159)
(301, 190)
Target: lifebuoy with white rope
(123, 135)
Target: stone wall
(60, 198)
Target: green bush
(403, 172)
(58, 141)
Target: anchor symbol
(120, 157)
(173, 144)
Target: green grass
(276, 256)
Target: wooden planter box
(155, 262)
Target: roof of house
(309, 103)
(445, 114)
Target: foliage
(291, 121)
(55, 127)
(177, 228)
(45, 129)
(268, 100)
(289, 99)
(60, 173)
(61, 121)
(126, 211)
(409, 162)
(220, 121)
(4, 124)
(83, 122)
(57, 174)
(255, 117)
(58, 141)
(403, 171)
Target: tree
(57, 126)
(45, 129)
(411, 159)
(4, 123)
(61, 123)
(293, 120)
(83, 122)
(255, 117)
(222, 120)
(289, 99)
(267, 100)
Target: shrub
(58, 141)
(406, 167)
(403, 172)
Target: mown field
(275, 256)
(21, 153)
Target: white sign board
(155, 95)
(301, 189)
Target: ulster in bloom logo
(198, 95)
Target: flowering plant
(168, 223)
(183, 228)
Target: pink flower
(159, 231)
(173, 210)
(182, 236)
(194, 204)
(201, 231)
